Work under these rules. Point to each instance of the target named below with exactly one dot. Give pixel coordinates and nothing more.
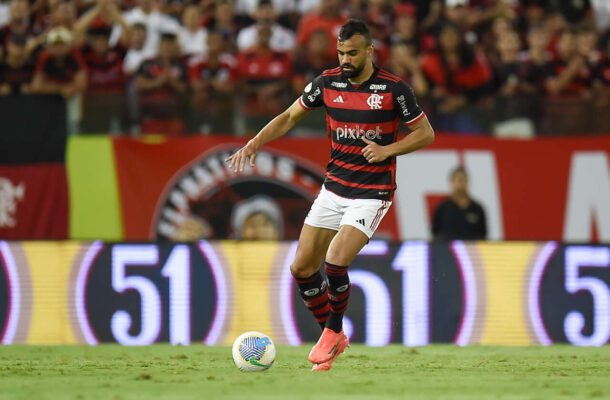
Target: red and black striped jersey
(373, 110)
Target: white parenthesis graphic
(287, 301)
(469, 287)
(220, 282)
(378, 307)
(15, 293)
(533, 293)
(80, 292)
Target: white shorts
(332, 211)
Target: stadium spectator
(488, 43)
(534, 59)
(569, 72)
(282, 39)
(60, 69)
(554, 24)
(212, 78)
(573, 11)
(191, 35)
(405, 63)
(329, 18)
(136, 52)
(147, 12)
(248, 7)
(379, 19)
(17, 67)
(265, 74)
(310, 64)
(18, 23)
(103, 102)
(225, 22)
(406, 30)
(104, 63)
(64, 14)
(459, 217)
(257, 218)
(457, 75)
(162, 82)
(507, 68)
(175, 8)
(405, 23)
(429, 12)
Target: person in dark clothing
(459, 216)
(17, 68)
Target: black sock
(314, 293)
(338, 294)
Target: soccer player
(364, 105)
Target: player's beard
(353, 72)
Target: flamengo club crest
(374, 101)
(9, 195)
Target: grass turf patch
(393, 372)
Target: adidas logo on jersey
(338, 99)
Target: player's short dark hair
(353, 27)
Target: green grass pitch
(393, 372)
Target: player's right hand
(237, 160)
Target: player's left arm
(422, 135)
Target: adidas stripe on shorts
(332, 211)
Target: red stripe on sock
(316, 301)
(322, 311)
(335, 271)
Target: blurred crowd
(146, 61)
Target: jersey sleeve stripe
(334, 71)
(414, 120)
(357, 185)
(303, 104)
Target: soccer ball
(253, 351)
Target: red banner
(33, 201)
(547, 188)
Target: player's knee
(300, 270)
(341, 255)
(338, 257)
